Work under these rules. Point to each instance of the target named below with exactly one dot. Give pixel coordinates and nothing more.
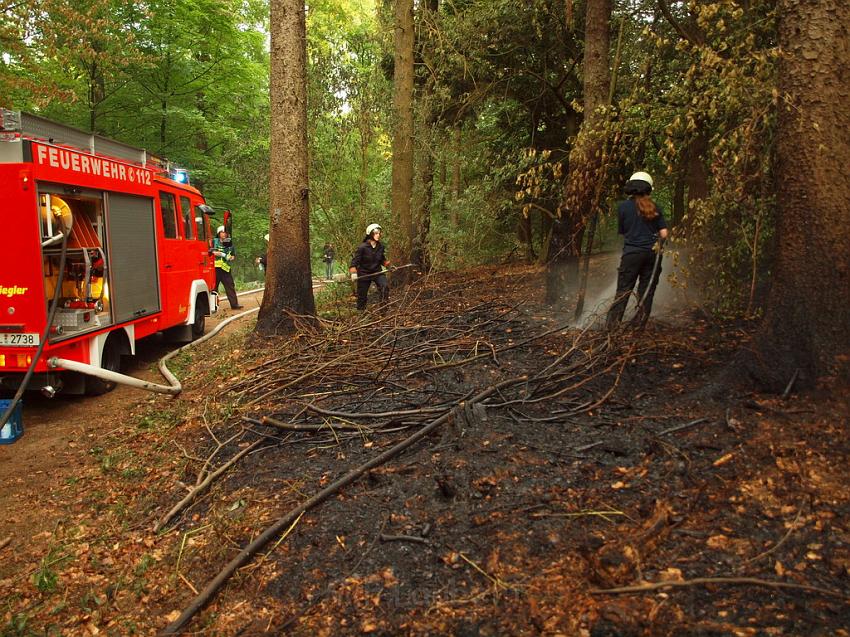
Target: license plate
(28, 339)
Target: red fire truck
(126, 243)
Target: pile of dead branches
(445, 352)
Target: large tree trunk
(806, 328)
(364, 127)
(584, 169)
(289, 288)
(457, 157)
(402, 169)
(420, 253)
(525, 234)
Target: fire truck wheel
(200, 322)
(111, 360)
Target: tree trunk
(526, 237)
(807, 320)
(696, 179)
(289, 289)
(457, 142)
(584, 169)
(420, 254)
(364, 126)
(402, 168)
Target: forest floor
(572, 482)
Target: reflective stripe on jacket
(222, 262)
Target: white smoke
(673, 298)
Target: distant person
(328, 258)
(261, 260)
(367, 266)
(222, 248)
(642, 223)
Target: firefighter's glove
(353, 276)
(230, 257)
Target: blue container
(14, 427)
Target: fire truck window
(200, 224)
(188, 221)
(169, 214)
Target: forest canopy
(498, 107)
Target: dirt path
(62, 434)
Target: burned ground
(569, 463)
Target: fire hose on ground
(173, 388)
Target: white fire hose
(174, 387)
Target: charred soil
(575, 482)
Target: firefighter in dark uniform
(367, 266)
(642, 223)
(223, 250)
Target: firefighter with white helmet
(642, 224)
(222, 249)
(368, 264)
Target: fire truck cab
(127, 245)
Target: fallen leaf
(671, 575)
(723, 459)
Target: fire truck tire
(200, 323)
(111, 360)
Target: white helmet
(220, 229)
(266, 237)
(642, 176)
(371, 228)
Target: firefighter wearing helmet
(642, 224)
(368, 265)
(222, 249)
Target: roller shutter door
(133, 262)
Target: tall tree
(402, 178)
(586, 169)
(806, 328)
(289, 288)
(420, 253)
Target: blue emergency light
(180, 176)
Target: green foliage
(727, 95)
(45, 578)
(499, 90)
(16, 626)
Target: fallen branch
(469, 359)
(176, 627)
(194, 493)
(687, 425)
(790, 385)
(791, 529)
(380, 414)
(700, 581)
(403, 538)
(5, 542)
(274, 422)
